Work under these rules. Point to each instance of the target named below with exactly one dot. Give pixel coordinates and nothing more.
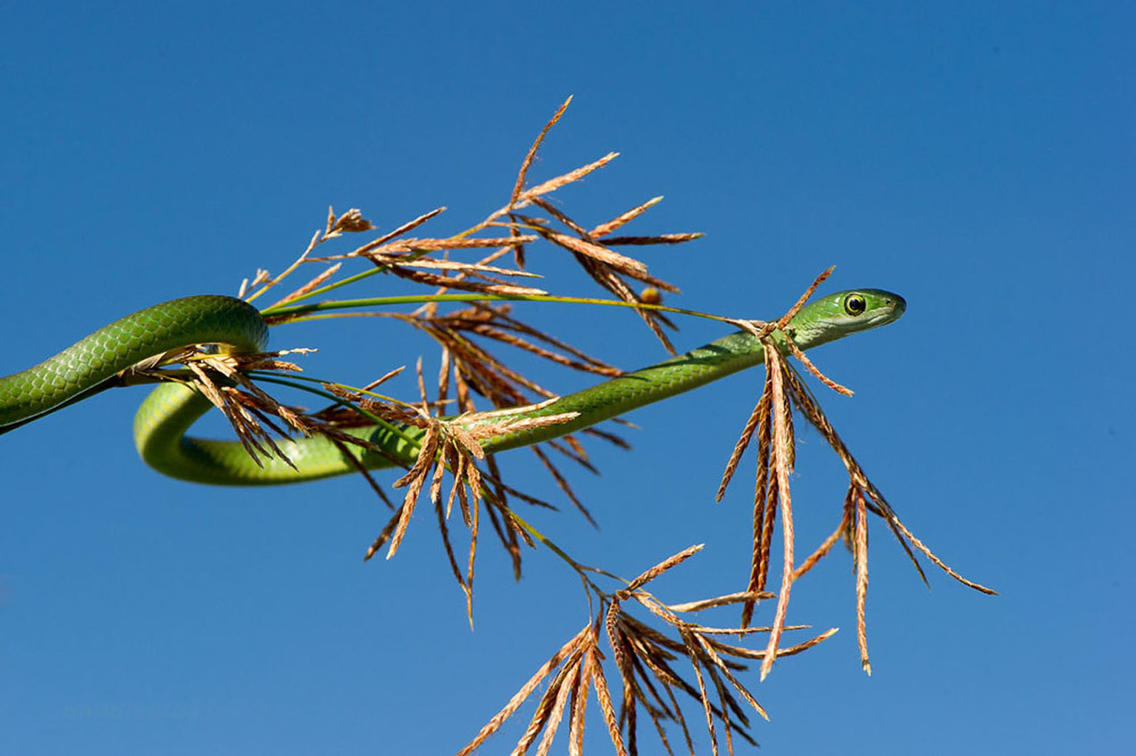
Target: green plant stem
(297, 313)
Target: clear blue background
(976, 157)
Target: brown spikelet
(547, 187)
(531, 154)
(782, 452)
(860, 559)
(615, 241)
(498, 719)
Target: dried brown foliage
(648, 660)
(772, 422)
(648, 653)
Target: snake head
(836, 315)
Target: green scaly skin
(166, 415)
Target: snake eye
(855, 304)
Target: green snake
(171, 408)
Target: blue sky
(976, 157)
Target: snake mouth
(893, 309)
(889, 308)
